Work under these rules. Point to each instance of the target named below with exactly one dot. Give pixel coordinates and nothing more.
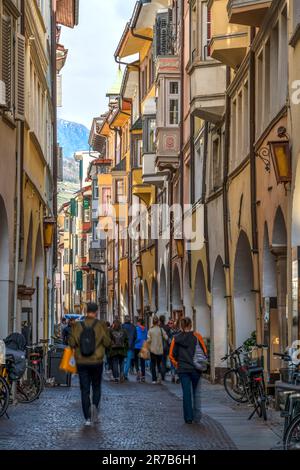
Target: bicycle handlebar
(285, 357)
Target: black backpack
(88, 339)
(118, 339)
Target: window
(199, 158)
(206, 30)
(137, 153)
(120, 191)
(67, 224)
(86, 215)
(173, 103)
(149, 129)
(216, 165)
(105, 202)
(95, 231)
(95, 190)
(193, 29)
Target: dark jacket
(131, 333)
(183, 349)
(102, 342)
(121, 350)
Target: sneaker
(154, 383)
(143, 380)
(88, 423)
(116, 381)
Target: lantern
(49, 227)
(180, 247)
(281, 157)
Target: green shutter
(86, 203)
(79, 281)
(81, 170)
(73, 208)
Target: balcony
(150, 174)
(230, 42)
(167, 153)
(208, 85)
(248, 12)
(145, 192)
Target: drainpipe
(19, 196)
(182, 88)
(230, 332)
(253, 186)
(170, 189)
(206, 237)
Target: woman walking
(140, 363)
(156, 338)
(118, 350)
(183, 350)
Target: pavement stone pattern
(133, 417)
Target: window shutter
(7, 47)
(20, 78)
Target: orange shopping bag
(68, 363)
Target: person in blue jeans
(182, 352)
(140, 363)
(132, 335)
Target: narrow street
(133, 417)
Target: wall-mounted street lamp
(280, 153)
(49, 227)
(180, 248)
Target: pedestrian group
(121, 349)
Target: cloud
(91, 69)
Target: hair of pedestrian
(127, 319)
(141, 321)
(186, 323)
(92, 307)
(162, 319)
(155, 321)
(116, 324)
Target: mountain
(72, 137)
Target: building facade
(201, 139)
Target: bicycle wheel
(260, 401)
(29, 387)
(292, 435)
(235, 387)
(4, 396)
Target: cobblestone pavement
(133, 416)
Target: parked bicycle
(244, 382)
(291, 411)
(28, 386)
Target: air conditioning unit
(3, 103)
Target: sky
(90, 69)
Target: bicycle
(291, 412)
(28, 387)
(4, 397)
(245, 383)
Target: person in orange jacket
(182, 352)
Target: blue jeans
(130, 356)
(190, 383)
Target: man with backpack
(118, 350)
(89, 340)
